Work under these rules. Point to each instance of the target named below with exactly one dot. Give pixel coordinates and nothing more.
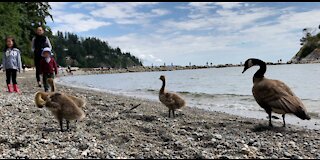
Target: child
(11, 61)
(48, 67)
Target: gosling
(61, 105)
(170, 100)
(80, 102)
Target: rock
(112, 154)
(296, 157)
(190, 139)
(96, 150)
(213, 140)
(293, 144)
(146, 149)
(223, 157)
(85, 152)
(279, 134)
(83, 146)
(251, 141)
(286, 154)
(245, 150)
(220, 146)
(256, 144)
(217, 136)
(254, 149)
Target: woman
(39, 42)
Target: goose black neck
(163, 85)
(262, 70)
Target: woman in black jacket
(39, 42)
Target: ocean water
(217, 89)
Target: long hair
(13, 40)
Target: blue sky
(196, 32)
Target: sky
(198, 32)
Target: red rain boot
(10, 88)
(16, 88)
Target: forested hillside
(310, 50)
(89, 52)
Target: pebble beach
(111, 130)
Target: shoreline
(103, 70)
(145, 132)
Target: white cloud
(223, 20)
(201, 4)
(128, 13)
(73, 22)
(160, 12)
(57, 5)
(229, 5)
(76, 22)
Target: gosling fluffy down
(61, 105)
(171, 100)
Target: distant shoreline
(104, 70)
(86, 71)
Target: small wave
(151, 90)
(195, 94)
(315, 115)
(204, 95)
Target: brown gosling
(60, 105)
(78, 101)
(274, 95)
(171, 100)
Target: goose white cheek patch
(250, 64)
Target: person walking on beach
(11, 61)
(48, 67)
(39, 42)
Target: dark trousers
(11, 74)
(37, 59)
(45, 77)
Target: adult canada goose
(61, 105)
(171, 100)
(274, 95)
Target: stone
(286, 154)
(217, 136)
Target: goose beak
(244, 70)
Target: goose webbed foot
(270, 124)
(68, 125)
(61, 127)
